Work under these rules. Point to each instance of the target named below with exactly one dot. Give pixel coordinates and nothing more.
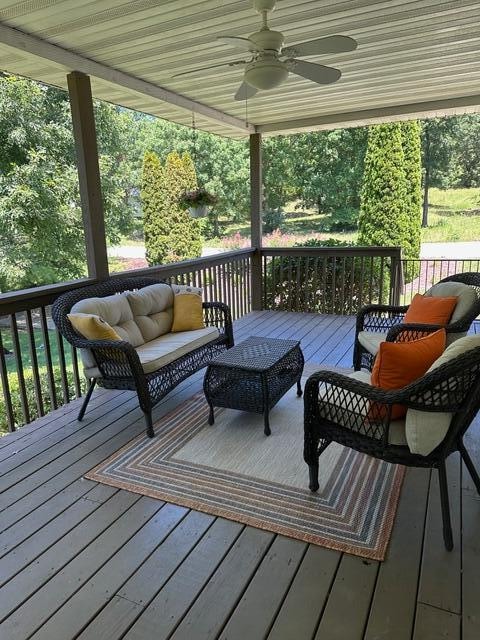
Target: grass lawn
(453, 216)
(41, 354)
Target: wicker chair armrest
(379, 317)
(375, 394)
(406, 332)
(115, 358)
(218, 314)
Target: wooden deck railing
(420, 275)
(39, 371)
(330, 280)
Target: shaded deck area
(83, 560)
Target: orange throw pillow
(399, 363)
(430, 310)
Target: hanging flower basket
(197, 202)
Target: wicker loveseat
(149, 359)
(441, 406)
(377, 323)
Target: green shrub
(273, 220)
(341, 220)
(30, 393)
(339, 285)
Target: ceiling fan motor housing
(266, 73)
(267, 40)
(264, 5)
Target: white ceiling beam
(431, 109)
(75, 62)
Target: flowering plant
(197, 198)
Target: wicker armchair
(384, 322)
(341, 408)
(118, 362)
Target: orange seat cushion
(430, 310)
(399, 363)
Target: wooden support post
(83, 121)
(256, 202)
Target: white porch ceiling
(414, 58)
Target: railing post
(256, 197)
(396, 278)
(83, 121)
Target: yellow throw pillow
(187, 308)
(92, 327)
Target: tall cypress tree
(384, 218)
(180, 176)
(411, 142)
(170, 233)
(155, 209)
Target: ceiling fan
(271, 62)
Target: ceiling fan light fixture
(267, 73)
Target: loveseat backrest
(67, 301)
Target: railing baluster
(48, 358)
(37, 386)
(342, 287)
(7, 398)
(63, 368)
(76, 373)
(380, 289)
(17, 352)
(334, 283)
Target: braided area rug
(232, 470)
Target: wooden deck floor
(83, 560)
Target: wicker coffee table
(253, 376)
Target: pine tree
(170, 233)
(411, 142)
(384, 218)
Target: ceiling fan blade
(331, 44)
(211, 66)
(239, 43)
(245, 91)
(316, 72)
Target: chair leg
(470, 466)
(313, 472)
(357, 356)
(447, 524)
(149, 423)
(86, 400)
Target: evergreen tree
(170, 233)
(411, 142)
(155, 209)
(384, 219)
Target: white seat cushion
(425, 430)
(396, 434)
(371, 340)
(165, 349)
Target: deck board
(84, 560)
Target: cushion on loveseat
(152, 309)
(165, 349)
(116, 311)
